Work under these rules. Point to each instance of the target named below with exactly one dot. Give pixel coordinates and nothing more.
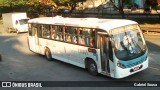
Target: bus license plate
(136, 68)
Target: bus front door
(104, 51)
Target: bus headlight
(121, 65)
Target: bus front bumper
(121, 73)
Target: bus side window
(86, 37)
(110, 51)
(46, 33)
(92, 42)
(56, 31)
(30, 29)
(71, 35)
(34, 26)
(59, 33)
(63, 33)
(39, 30)
(74, 36)
(67, 34)
(53, 32)
(92, 38)
(81, 38)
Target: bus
(112, 47)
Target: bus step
(105, 73)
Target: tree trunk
(121, 6)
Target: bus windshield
(129, 42)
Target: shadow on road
(7, 44)
(153, 47)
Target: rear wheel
(48, 54)
(92, 67)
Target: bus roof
(105, 24)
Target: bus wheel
(92, 67)
(48, 54)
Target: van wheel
(48, 54)
(9, 30)
(92, 67)
(17, 31)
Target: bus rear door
(33, 39)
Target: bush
(158, 7)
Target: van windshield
(129, 42)
(23, 21)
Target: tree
(71, 4)
(151, 4)
(119, 7)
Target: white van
(15, 22)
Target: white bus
(111, 47)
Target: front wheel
(92, 67)
(48, 54)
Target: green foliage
(152, 3)
(158, 7)
(71, 4)
(29, 6)
(128, 1)
(16, 2)
(66, 2)
(4, 3)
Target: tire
(92, 67)
(48, 54)
(17, 31)
(9, 30)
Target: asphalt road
(20, 64)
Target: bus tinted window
(40, 30)
(54, 32)
(71, 35)
(32, 29)
(46, 31)
(86, 37)
(59, 33)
